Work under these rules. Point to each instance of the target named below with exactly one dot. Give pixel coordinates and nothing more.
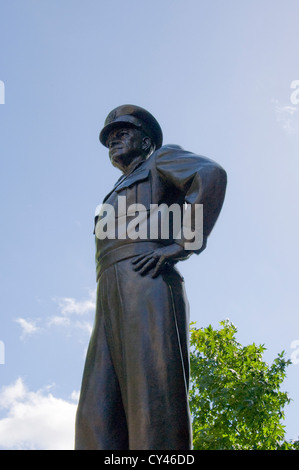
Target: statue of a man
(134, 393)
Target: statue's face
(125, 145)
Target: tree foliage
(235, 396)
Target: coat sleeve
(199, 181)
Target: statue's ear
(146, 143)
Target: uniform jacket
(171, 175)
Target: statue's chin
(118, 164)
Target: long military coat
(134, 392)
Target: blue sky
(217, 76)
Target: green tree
(235, 396)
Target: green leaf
(235, 396)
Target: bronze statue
(134, 393)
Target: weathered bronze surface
(134, 392)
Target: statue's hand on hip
(158, 259)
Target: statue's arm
(199, 180)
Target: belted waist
(123, 252)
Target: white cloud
(70, 308)
(36, 420)
(288, 117)
(59, 321)
(28, 326)
(72, 314)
